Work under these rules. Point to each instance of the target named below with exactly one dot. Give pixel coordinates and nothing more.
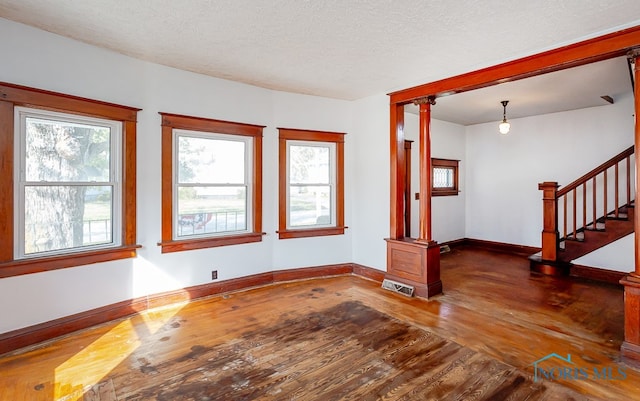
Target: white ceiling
(564, 90)
(350, 49)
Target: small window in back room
(445, 177)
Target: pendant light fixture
(504, 125)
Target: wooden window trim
(315, 136)
(176, 121)
(446, 163)
(12, 96)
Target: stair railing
(581, 204)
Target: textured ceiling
(346, 49)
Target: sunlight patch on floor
(93, 363)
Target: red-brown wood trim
(38, 98)
(503, 247)
(636, 273)
(209, 242)
(285, 134)
(31, 335)
(210, 125)
(6, 194)
(368, 272)
(310, 135)
(16, 95)
(454, 164)
(407, 188)
(167, 183)
(600, 169)
(425, 233)
(550, 234)
(397, 170)
(340, 185)
(601, 48)
(129, 183)
(310, 232)
(312, 272)
(282, 184)
(43, 264)
(257, 184)
(176, 121)
(597, 274)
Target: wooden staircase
(591, 212)
(607, 230)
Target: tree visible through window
(66, 182)
(72, 181)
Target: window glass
(213, 193)
(67, 183)
(311, 190)
(311, 179)
(443, 177)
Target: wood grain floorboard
(344, 338)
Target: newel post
(550, 221)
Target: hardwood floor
(493, 314)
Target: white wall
(618, 256)
(503, 171)
(371, 184)
(448, 212)
(39, 59)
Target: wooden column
(630, 349)
(425, 169)
(413, 262)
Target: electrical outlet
(214, 275)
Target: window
(211, 183)
(67, 180)
(311, 188)
(445, 177)
(70, 198)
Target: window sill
(209, 242)
(310, 232)
(47, 263)
(453, 192)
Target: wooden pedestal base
(630, 350)
(536, 264)
(415, 263)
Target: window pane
(309, 205)
(64, 151)
(206, 210)
(210, 161)
(442, 177)
(65, 217)
(309, 164)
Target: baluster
(575, 208)
(604, 198)
(593, 206)
(617, 205)
(628, 180)
(584, 205)
(564, 213)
